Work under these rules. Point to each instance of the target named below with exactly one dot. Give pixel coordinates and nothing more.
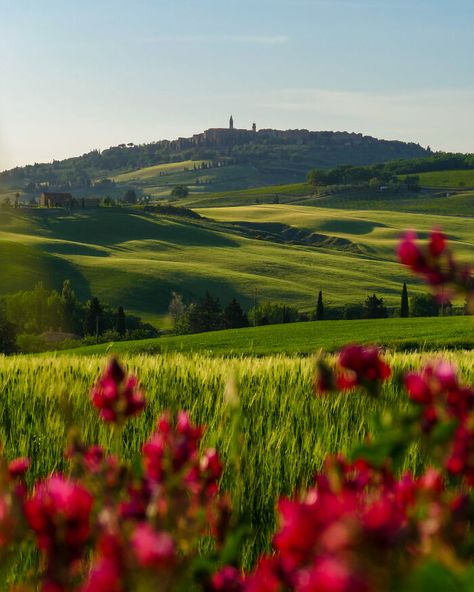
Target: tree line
(207, 314)
(27, 314)
(389, 172)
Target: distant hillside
(135, 257)
(254, 158)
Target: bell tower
(231, 122)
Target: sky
(76, 76)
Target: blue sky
(81, 75)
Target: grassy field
(158, 181)
(265, 194)
(458, 202)
(284, 252)
(281, 420)
(373, 232)
(448, 179)
(306, 338)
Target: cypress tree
(121, 323)
(404, 309)
(320, 307)
(234, 316)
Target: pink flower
(151, 548)
(228, 579)
(437, 243)
(171, 448)
(106, 572)
(409, 253)
(116, 396)
(59, 515)
(18, 467)
(361, 366)
(329, 575)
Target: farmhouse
(56, 200)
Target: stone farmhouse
(49, 199)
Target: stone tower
(254, 127)
(231, 122)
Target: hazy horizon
(100, 74)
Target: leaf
(431, 577)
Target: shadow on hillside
(109, 227)
(351, 226)
(24, 266)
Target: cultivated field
(280, 417)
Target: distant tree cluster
(390, 172)
(180, 191)
(40, 311)
(205, 314)
(374, 177)
(272, 313)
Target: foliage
(34, 313)
(424, 305)
(180, 191)
(404, 304)
(319, 316)
(272, 313)
(7, 335)
(374, 308)
(233, 316)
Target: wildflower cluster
(356, 366)
(435, 263)
(111, 525)
(447, 408)
(116, 396)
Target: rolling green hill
(284, 253)
(234, 160)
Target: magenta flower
(228, 579)
(151, 548)
(18, 467)
(361, 366)
(116, 396)
(59, 514)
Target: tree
(320, 307)
(317, 177)
(180, 191)
(70, 307)
(130, 197)
(424, 305)
(93, 317)
(234, 316)
(353, 311)
(7, 335)
(404, 308)
(176, 310)
(121, 324)
(374, 308)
